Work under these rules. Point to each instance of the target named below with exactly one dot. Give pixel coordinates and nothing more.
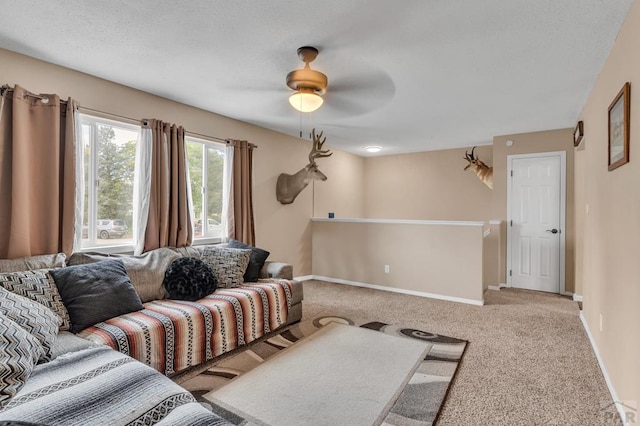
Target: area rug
(413, 395)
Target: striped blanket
(172, 335)
(99, 386)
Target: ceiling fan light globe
(305, 101)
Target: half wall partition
(438, 259)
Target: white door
(536, 221)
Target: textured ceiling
(411, 76)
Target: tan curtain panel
(37, 174)
(169, 222)
(241, 203)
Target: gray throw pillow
(256, 261)
(38, 320)
(228, 264)
(19, 353)
(43, 261)
(145, 271)
(96, 292)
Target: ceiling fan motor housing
(306, 78)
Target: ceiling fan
(356, 88)
(309, 84)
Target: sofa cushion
(189, 279)
(99, 386)
(34, 318)
(19, 353)
(256, 261)
(40, 287)
(188, 251)
(173, 335)
(44, 261)
(145, 271)
(67, 342)
(228, 264)
(96, 292)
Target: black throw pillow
(96, 292)
(256, 261)
(189, 279)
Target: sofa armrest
(277, 270)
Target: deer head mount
(289, 186)
(484, 172)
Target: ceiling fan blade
(357, 94)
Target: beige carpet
(528, 362)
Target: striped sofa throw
(99, 386)
(173, 335)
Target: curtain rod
(139, 121)
(227, 141)
(46, 99)
(8, 89)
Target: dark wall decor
(289, 186)
(578, 133)
(619, 117)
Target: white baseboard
(494, 287)
(400, 290)
(619, 406)
(577, 297)
(303, 278)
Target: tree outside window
(109, 164)
(206, 168)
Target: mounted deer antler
(289, 186)
(316, 149)
(484, 172)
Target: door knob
(553, 231)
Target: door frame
(563, 211)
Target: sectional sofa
(114, 371)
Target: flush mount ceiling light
(373, 148)
(309, 84)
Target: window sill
(205, 241)
(115, 249)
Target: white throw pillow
(228, 264)
(40, 287)
(38, 320)
(19, 353)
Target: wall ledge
(400, 221)
(400, 290)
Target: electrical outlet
(386, 269)
(600, 322)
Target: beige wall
(422, 258)
(284, 230)
(526, 143)
(610, 261)
(426, 186)
(491, 259)
(342, 192)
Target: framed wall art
(619, 117)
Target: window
(206, 170)
(109, 161)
